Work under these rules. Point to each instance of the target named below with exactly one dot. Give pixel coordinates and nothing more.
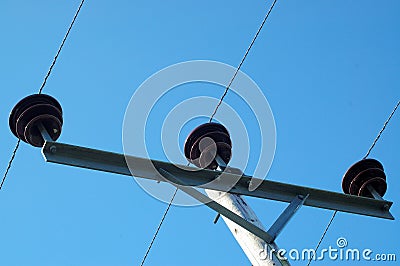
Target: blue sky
(329, 70)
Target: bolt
(385, 207)
(53, 149)
(248, 184)
(300, 197)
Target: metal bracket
(268, 236)
(117, 163)
(44, 133)
(217, 207)
(286, 215)
(374, 193)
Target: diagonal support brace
(286, 215)
(217, 207)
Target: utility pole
(257, 250)
(37, 120)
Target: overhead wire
(211, 118)
(61, 46)
(158, 227)
(322, 237)
(41, 88)
(242, 61)
(366, 155)
(383, 128)
(10, 163)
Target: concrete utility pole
(37, 120)
(229, 206)
(258, 251)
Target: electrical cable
(322, 237)
(9, 163)
(366, 155)
(383, 128)
(61, 46)
(158, 228)
(212, 116)
(242, 61)
(41, 88)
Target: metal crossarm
(116, 163)
(269, 236)
(218, 207)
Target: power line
(241, 62)
(322, 237)
(366, 155)
(383, 128)
(211, 117)
(61, 46)
(158, 228)
(9, 163)
(41, 88)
